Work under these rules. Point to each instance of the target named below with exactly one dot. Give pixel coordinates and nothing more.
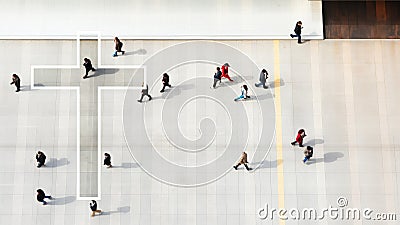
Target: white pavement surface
(157, 19)
(344, 93)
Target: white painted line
(91, 35)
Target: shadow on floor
(61, 201)
(102, 72)
(177, 90)
(54, 162)
(314, 142)
(267, 164)
(137, 52)
(272, 83)
(328, 158)
(266, 96)
(127, 165)
(124, 209)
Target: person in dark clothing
(299, 138)
(308, 153)
(118, 47)
(145, 92)
(16, 81)
(93, 207)
(263, 78)
(40, 158)
(88, 67)
(107, 160)
(165, 81)
(40, 196)
(297, 31)
(243, 160)
(217, 77)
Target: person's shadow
(314, 142)
(272, 83)
(124, 209)
(61, 201)
(328, 158)
(127, 165)
(267, 164)
(101, 72)
(137, 52)
(54, 162)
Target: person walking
(40, 196)
(40, 159)
(243, 160)
(217, 77)
(165, 81)
(244, 93)
(107, 160)
(93, 207)
(88, 67)
(145, 92)
(308, 153)
(118, 47)
(297, 31)
(16, 81)
(301, 134)
(263, 78)
(224, 70)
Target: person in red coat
(299, 138)
(224, 70)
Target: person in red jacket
(300, 136)
(224, 70)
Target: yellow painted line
(278, 124)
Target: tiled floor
(344, 93)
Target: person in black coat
(40, 196)
(40, 158)
(217, 77)
(88, 67)
(93, 207)
(107, 160)
(16, 81)
(297, 31)
(165, 81)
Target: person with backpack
(308, 153)
(244, 93)
(297, 31)
(118, 47)
(165, 81)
